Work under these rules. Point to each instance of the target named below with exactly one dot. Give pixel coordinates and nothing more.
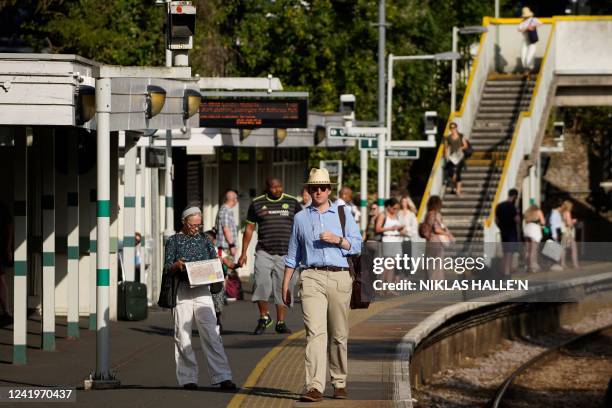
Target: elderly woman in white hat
(528, 27)
(320, 248)
(195, 303)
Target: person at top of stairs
(454, 147)
(528, 29)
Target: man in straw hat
(319, 247)
(528, 27)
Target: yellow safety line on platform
(252, 379)
(360, 316)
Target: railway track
(503, 390)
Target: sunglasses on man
(323, 187)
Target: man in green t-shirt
(273, 213)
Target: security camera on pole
(180, 28)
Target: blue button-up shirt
(308, 250)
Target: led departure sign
(254, 112)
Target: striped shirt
(275, 220)
(225, 218)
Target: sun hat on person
(318, 177)
(527, 12)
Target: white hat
(527, 12)
(319, 176)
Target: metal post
(155, 254)
(387, 178)
(48, 256)
(381, 138)
(129, 206)
(381, 100)
(496, 8)
(453, 106)
(363, 193)
(103, 143)
(169, 231)
(73, 236)
(20, 289)
(143, 216)
(93, 234)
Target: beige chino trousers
(326, 298)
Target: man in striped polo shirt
(273, 212)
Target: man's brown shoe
(312, 395)
(340, 393)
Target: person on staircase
(455, 145)
(529, 31)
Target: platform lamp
(244, 133)
(156, 98)
(279, 136)
(191, 103)
(85, 104)
(319, 135)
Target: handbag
(532, 36)
(361, 294)
(469, 150)
(553, 250)
(167, 294)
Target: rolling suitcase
(132, 302)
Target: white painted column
(93, 234)
(129, 206)
(103, 108)
(20, 286)
(73, 235)
(48, 230)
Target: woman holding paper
(196, 303)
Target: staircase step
(485, 162)
(502, 108)
(489, 156)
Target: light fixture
(191, 103)
(244, 133)
(156, 97)
(85, 104)
(279, 136)
(473, 30)
(447, 56)
(319, 135)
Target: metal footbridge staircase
(504, 115)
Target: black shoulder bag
(361, 295)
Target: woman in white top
(532, 232)
(407, 217)
(389, 226)
(528, 27)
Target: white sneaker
(556, 267)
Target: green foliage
(122, 32)
(325, 47)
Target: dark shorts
(454, 170)
(510, 242)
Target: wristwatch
(232, 245)
(340, 242)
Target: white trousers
(197, 303)
(527, 54)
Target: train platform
(269, 368)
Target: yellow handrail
(524, 114)
(451, 117)
(489, 221)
